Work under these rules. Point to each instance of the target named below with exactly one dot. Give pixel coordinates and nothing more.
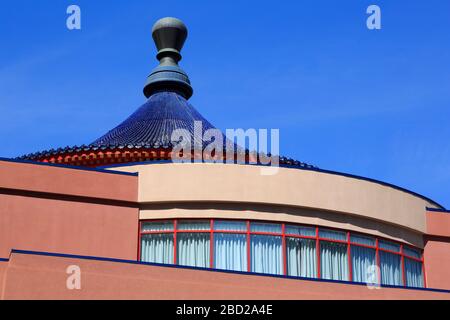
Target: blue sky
(345, 98)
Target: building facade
(137, 224)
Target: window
(333, 261)
(332, 235)
(413, 267)
(157, 246)
(230, 249)
(390, 246)
(280, 249)
(300, 231)
(363, 254)
(414, 275)
(390, 265)
(362, 240)
(265, 227)
(301, 257)
(266, 254)
(157, 226)
(193, 249)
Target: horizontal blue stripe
(70, 256)
(99, 169)
(438, 210)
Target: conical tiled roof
(147, 134)
(153, 123)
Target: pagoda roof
(146, 135)
(154, 122)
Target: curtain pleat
(363, 260)
(230, 251)
(157, 248)
(414, 275)
(193, 249)
(333, 261)
(301, 257)
(266, 254)
(390, 265)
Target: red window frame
(283, 235)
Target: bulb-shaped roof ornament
(169, 35)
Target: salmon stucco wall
(51, 179)
(31, 276)
(437, 250)
(3, 267)
(64, 210)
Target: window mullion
(249, 267)
(403, 265)
(139, 241)
(378, 260)
(349, 259)
(318, 252)
(283, 247)
(175, 222)
(211, 245)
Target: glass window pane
(412, 252)
(301, 257)
(230, 225)
(391, 246)
(365, 240)
(390, 265)
(265, 227)
(193, 249)
(230, 251)
(364, 264)
(333, 261)
(194, 225)
(157, 226)
(266, 254)
(301, 231)
(332, 234)
(157, 248)
(414, 275)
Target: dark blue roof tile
(153, 123)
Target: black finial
(169, 35)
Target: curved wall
(229, 183)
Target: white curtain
(357, 238)
(193, 249)
(194, 225)
(157, 226)
(391, 246)
(230, 251)
(230, 225)
(414, 275)
(333, 261)
(332, 234)
(412, 252)
(301, 231)
(266, 255)
(390, 265)
(363, 260)
(265, 227)
(157, 248)
(301, 257)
